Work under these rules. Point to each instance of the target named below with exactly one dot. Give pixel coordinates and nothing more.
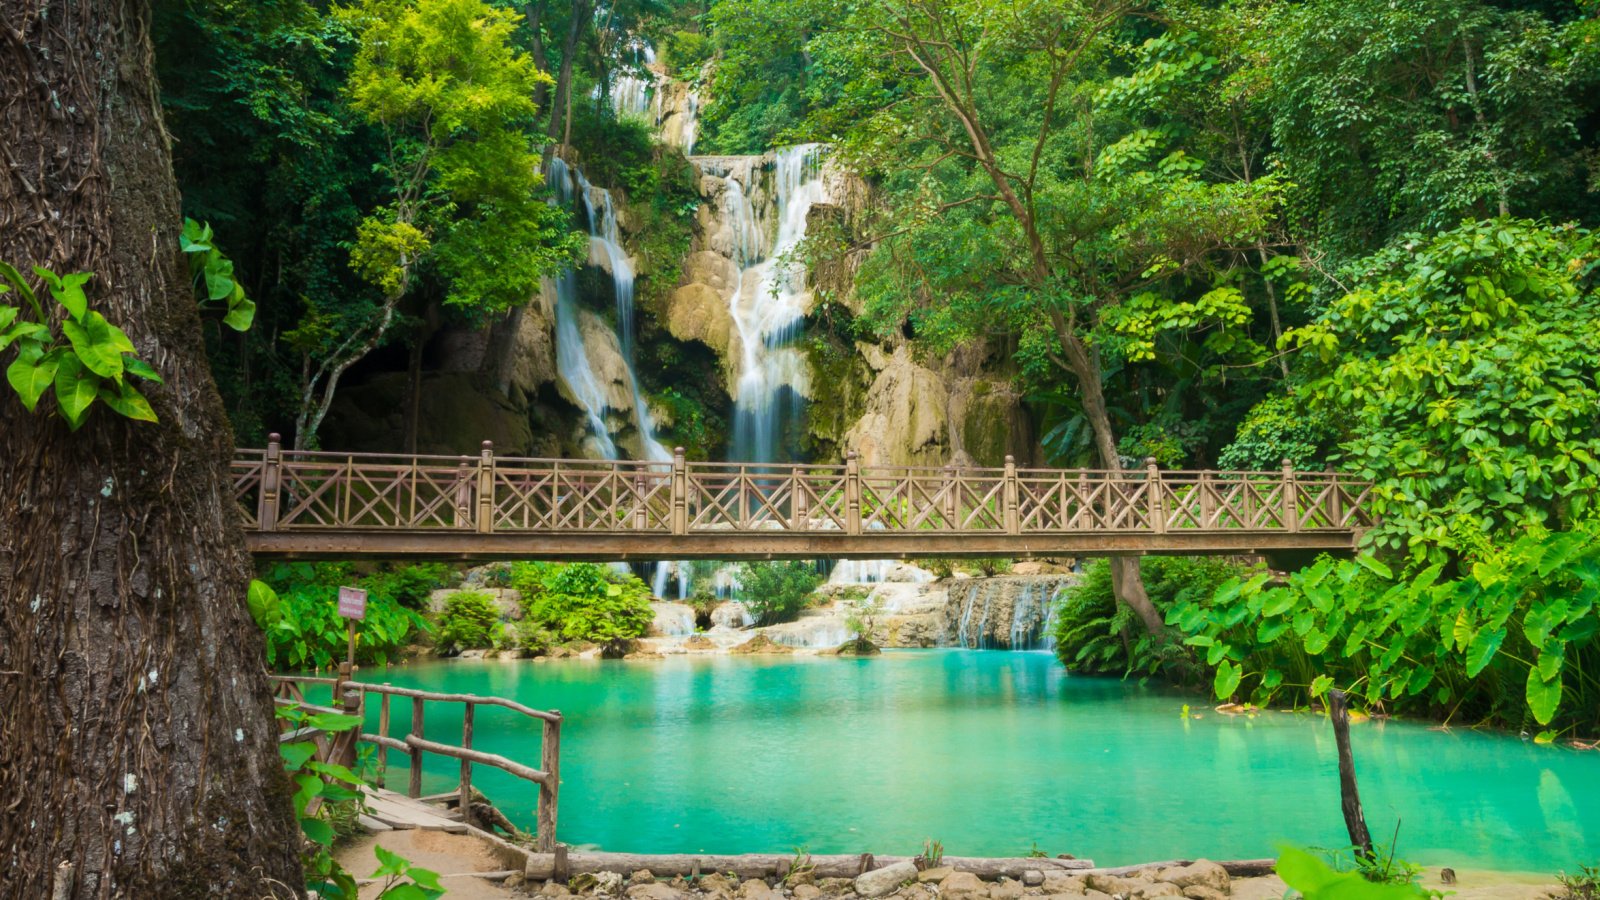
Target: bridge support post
(271, 484)
(1156, 491)
(852, 493)
(1291, 502)
(1335, 500)
(680, 492)
(950, 507)
(1009, 497)
(486, 489)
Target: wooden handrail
(478, 756)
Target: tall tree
(139, 750)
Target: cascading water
(770, 306)
(1009, 612)
(634, 96)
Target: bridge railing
(306, 490)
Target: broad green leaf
(1316, 642)
(264, 605)
(32, 372)
(1552, 659)
(332, 721)
(1227, 679)
(138, 367)
(1320, 685)
(76, 388)
(241, 315)
(95, 345)
(127, 402)
(1543, 696)
(1482, 650)
(317, 830)
(1302, 871)
(219, 280)
(68, 291)
(295, 754)
(1372, 565)
(8, 314)
(407, 892)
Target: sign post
(352, 608)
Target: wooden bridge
(301, 504)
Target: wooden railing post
(1207, 501)
(550, 788)
(680, 492)
(486, 488)
(641, 518)
(800, 510)
(271, 484)
(383, 731)
(1009, 495)
(415, 788)
(1155, 491)
(949, 507)
(465, 801)
(347, 739)
(1335, 500)
(1291, 502)
(464, 486)
(852, 493)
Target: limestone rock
(642, 876)
(934, 875)
(905, 422)
(699, 642)
(1092, 894)
(1149, 890)
(761, 644)
(557, 890)
(653, 891)
(1201, 872)
(756, 889)
(608, 883)
(1201, 892)
(806, 892)
(835, 885)
(885, 881)
(731, 614)
(1056, 882)
(916, 892)
(963, 886)
(1005, 889)
(717, 882)
(697, 312)
(1032, 878)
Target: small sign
(352, 603)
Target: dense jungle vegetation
(1350, 233)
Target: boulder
(642, 876)
(756, 889)
(1092, 894)
(833, 886)
(963, 886)
(806, 892)
(934, 875)
(608, 883)
(732, 614)
(761, 644)
(653, 891)
(699, 642)
(1005, 889)
(557, 889)
(916, 892)
(1056, 882)
(697, 312)
(1201, 892)
(885, 881)
(906, 421)
(1032, 878)
(717, 882)
(1153, 889)
(1202, 872)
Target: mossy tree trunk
(137, 744)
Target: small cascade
(633, 95)
(1007, 612)
(673, 619)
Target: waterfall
(1010, 612)
(632, 96)
(770, 306)
(691, 122)
(572, 359)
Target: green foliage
(325, 795)
(1315, 879)
(1276, 430)
(775, 592)
(582, 602)
(1096, 635)
(1461, 370)
(862, 620)
(91, 360)
(213, 274)
(296, 606)
(1511, 641)
(1585, 885)
(684, 52)
(469, 621)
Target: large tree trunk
(561, 102)
(137, 743)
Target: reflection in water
(989, 752)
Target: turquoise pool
(991, 753)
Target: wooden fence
(289, 690)
(281, 491)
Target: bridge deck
(341, 505)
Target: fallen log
(1236, 868)
(542, 866)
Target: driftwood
(1355, 821)
(1236, 868)
(542, 866)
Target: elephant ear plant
(85, 359)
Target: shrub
(296, 605)
(470, 620)
(1097, 635)
(775, 592)
(583, 602)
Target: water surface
(991, 753)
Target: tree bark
(561, 101)
(139, 746)
(1355, 821)
(534, 16)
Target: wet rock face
(1014, 612)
